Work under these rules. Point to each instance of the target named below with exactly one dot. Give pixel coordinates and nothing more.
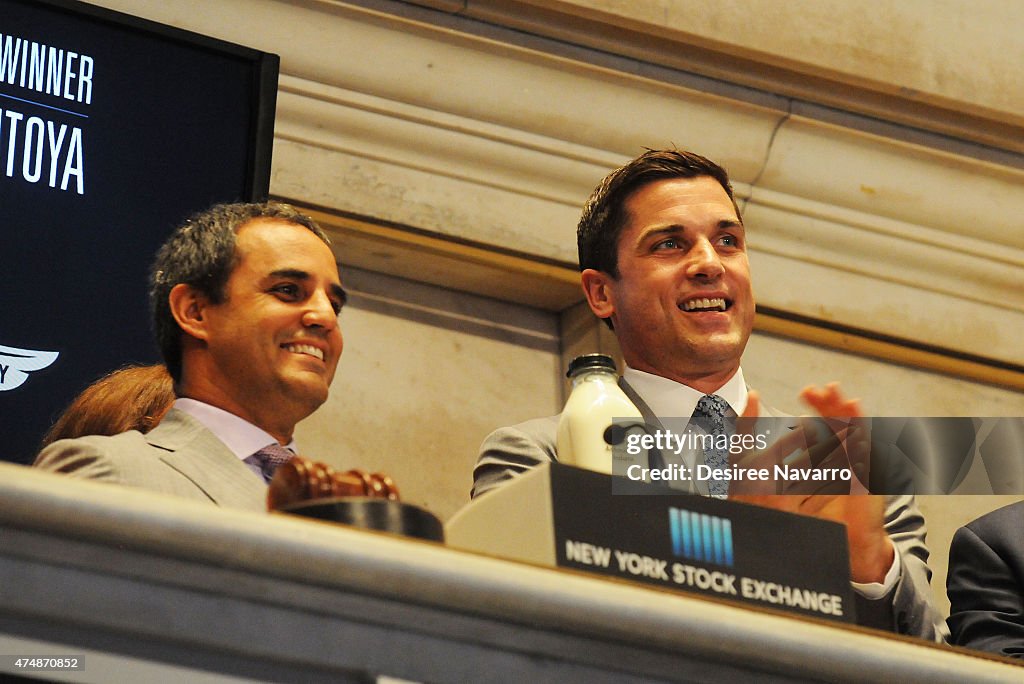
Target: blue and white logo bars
(700, 537)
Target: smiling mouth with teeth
(304, 349)
(704, 304)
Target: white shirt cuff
(874, 590)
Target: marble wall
(425, 374)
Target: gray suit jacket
(178, 457)
(907, 609)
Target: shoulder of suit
(175, 427)
(178, 429)
(542, 429)
(98, 443)
(94, 456)
(1006, 519)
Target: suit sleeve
(986, 597)
(908, 608)
(511, 451)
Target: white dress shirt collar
(669, 398)
(239, 435)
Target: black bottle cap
(588, 361)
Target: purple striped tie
(269, 458)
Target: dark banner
(112, 131)
(701, 545)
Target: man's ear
(597, 286)
(188, 306)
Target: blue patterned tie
(712, 409)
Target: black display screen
(112, 130)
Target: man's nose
(704, 261)
(320, 312)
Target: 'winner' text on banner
(38, 86)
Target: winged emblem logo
(16, 364)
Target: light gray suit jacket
(907, 609)
(179, 457)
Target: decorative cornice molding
(437, 142)
(886, 250)
(528, 165)
(623, 30)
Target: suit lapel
(640, 404)
(654, 457)
(195, 452)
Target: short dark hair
(201, 253)
(604, 214)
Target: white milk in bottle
(585, 438)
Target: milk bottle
(585, 436)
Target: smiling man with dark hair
(245, 302)
(663, 260)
